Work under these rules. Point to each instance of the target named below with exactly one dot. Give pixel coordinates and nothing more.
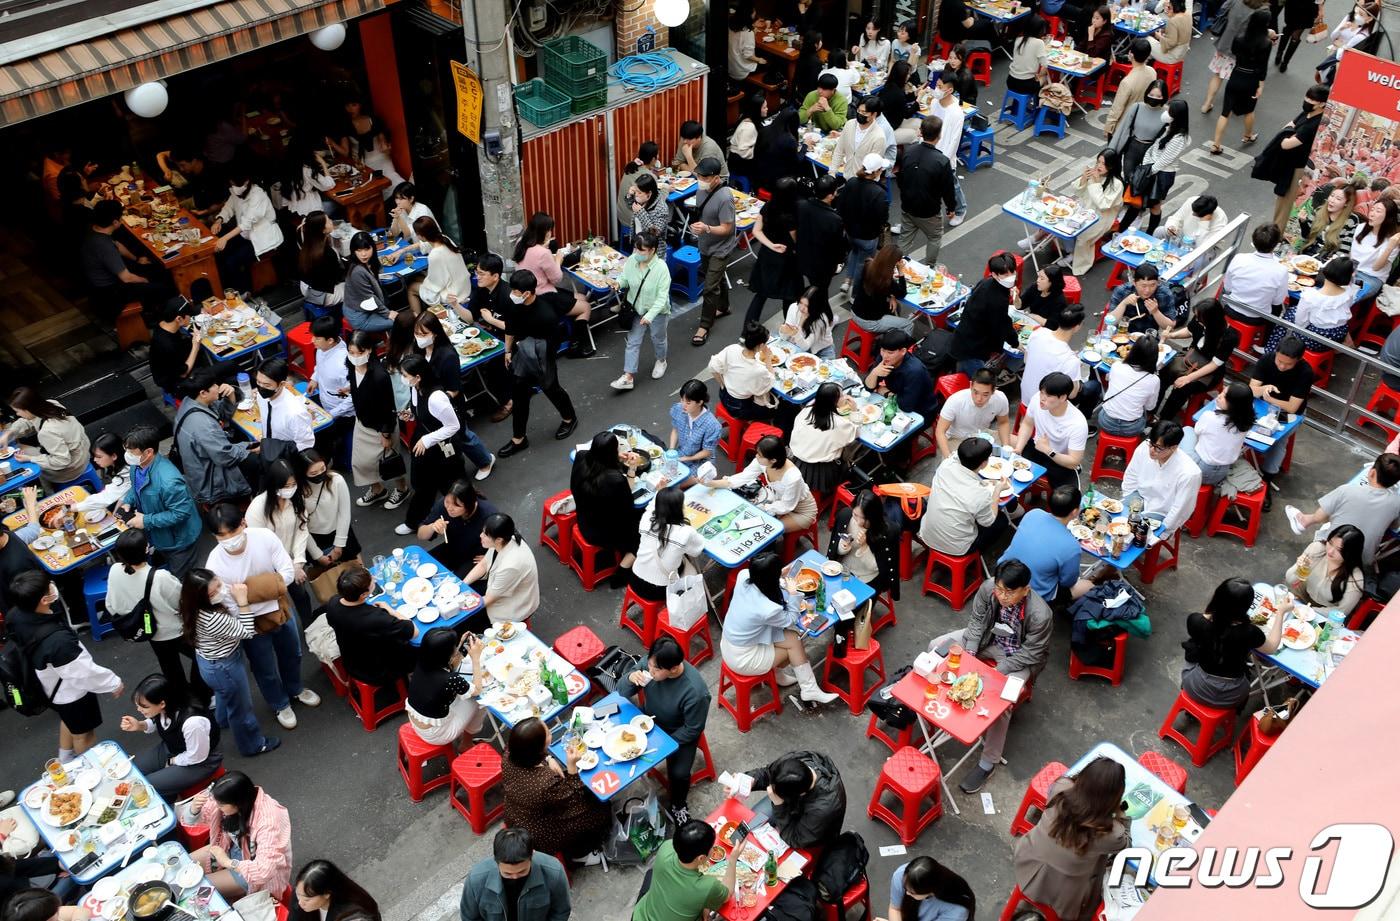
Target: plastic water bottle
(245, 386)
(1032, 192)
(1188, 243)
(673, 461)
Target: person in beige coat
(866, 133)
(1134, 85)
(1171, 44)
(1060, 862)
(1100, 187)
(63, 449)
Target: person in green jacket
(160, 502)
(824, 108)
(646, 285)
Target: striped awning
(118, 61)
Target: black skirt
(81, 716)
(774, 274)
(823, 477)
(327, 541)
(1239, 93)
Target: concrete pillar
(488, 52)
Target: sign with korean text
(469, 97)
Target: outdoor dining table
(398, 258)
(1298, 660)
(511, 656)
(599, 268)
(57, 557)
(476, 346)
(393, 571)
(170, 863)
(635, 438)
(771, 42)
(818, 622)
(1008, 456)
(1025, 325)
(265, 334)
(187, 259)
(932, 301)
(1131, 551)
(1138, 23)
(942, 720)
(733, 529)
(1074, 65)
(1132, 248)
(16, 474)
(1036, 216)
(608, 778)
(675, 187)
(1107, 356)
(360, 193)
(749, 902)
(96, 775)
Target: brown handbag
(267, 587)
(1274, 721)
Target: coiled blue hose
(646, 73)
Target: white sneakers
(956, 219)
(403, 530)
(485, 472)
(287, 718)
(1026, 242)
(658, 370)
(1294, 516)
(627, 381)
(624, 382)
(309, 697)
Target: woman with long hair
(442, 706)
(1221, 642)
(215, 621)
(667, 539)
(1374, 247)
(303, 179)
(602, 481)
(875, 306)
(320, 270)
(1250, 51)
(809, 63)
(1098, 41)
(281, 509)
(759, 633)
(1331, 573)
(508, 573)
(1101, 188)
(1222, 62)
(1132, 390)
(188, 751)
(925, 890)
(821, 436)
(1060, 862)
(365, 306)
(775, 264)
(866, 545)
(534, 251)
(328, 511)
(873, 50)
(808, 321)
(551, 803)
(956, 72)
(1155, 182)
(782, 492)
(1044, 299)
(1328, 229)
(324, 893)
(440, 442)
(431, 341)
(1029, 57)
(753, 109)
(900, 103)
(1208, 344)
(1217, 439)
(375, 434)
(649, 212)
(743, 57)
(131, 579)
(905, 49)
(447, 282)
(63, 446)
(643, 164)
(243, 819)
(109, 457)
(400, 346)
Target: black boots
(1286, 47)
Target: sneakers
(956, 219)
(658, 370)
(309, 697)
(976, 779)
(1294, 516)
(287, 718)
(372, 497)
(6, 798)
(513, 447)
(485, 472)
(623, 382)
(398, 497)
(1026, 242)
(680, 814)
(896, 228)
(591, 859)
(403, 530)
(565, 429)
(270, 744)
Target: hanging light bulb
(329, 38)
(147, 100)
(672, 13)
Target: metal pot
(161, 909)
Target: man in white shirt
(962, 515)
(1054, 432)
(973, 410)
(330, 380)
(275, 657)
(1258, 279)
(1165, 476)
(948, 107)
(1048, 351)
(282, 412)
(1197, 218)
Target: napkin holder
(1012, 691)
(901, 422)
(584, 714)
(844, 602)
(927, 665)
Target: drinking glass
(376, 566)
(1281, 594)
(1181, 815)
(57, 773)
(955, 658)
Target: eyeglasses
(1001, 591)
(1159, 448)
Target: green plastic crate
(541, 104)
(589, 101)
(574, 66)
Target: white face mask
(1006, 281)
(239, 189)
(1166, 119)
(358, 361)
(224, 596)
(517, 298)
(286, 492)
(234, 544)
(132, 458)
(423, 341)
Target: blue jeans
(971, 366)
(474, 450)
(1271, 461)
(633, 353)
(855, 261)
(1114, 426)
(887, 322)
(1210, 473)
(369, 322)
(233, 701)
(1370, 286)
(961, 207)
(276, 661)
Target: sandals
(1248, 139)
(700, 338)
(1207, 109)
(1216, 150)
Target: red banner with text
(1358, 143)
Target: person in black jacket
(376, 421)
(430, 340)
(863, 541)
(374, 644)
(805, 797)
(821, 236)
(865, 211)
(325, 893)
(532, 346)
(809, 65)
(602, 482)
(1045, 298)
(15, 558)
(900, 103)
(1201, 356)
(926, 191)
(188, 751)
(986, 319)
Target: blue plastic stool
(89, 478)
(741, 183)
(684, 263)
(1017, 109)
(980, 147)
(1049, 121)
(95, 598)
(314, 311)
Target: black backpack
(616, 664)
(139, 624)
(841, 866)
(23, 692)
(935, 353)
(797, 902)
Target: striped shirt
(218, 632)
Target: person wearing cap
(865, 210)
(713, 227)
(866, 133)
(926, 191)
(824, 108)
(820, 236)
(902, 375)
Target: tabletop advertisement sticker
(469, 97)
(716, 517)
(1360, 132)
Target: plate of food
(43, 542)
(417, 591)
(1299, 634)
(803, 362)
(35, 796)
(471, 602)
(995, 469)
(595, 737)
(65, 841)
(1305, 265)
(868, 413)
(52, 517)
(1060, 210)
(643, 722)
(965, 690)
(1105, 504)
(588, 761)
(1303, 281)
(1120, 529)
(1080, 532)
(426, 570)
(7, 452)
(625, 743)
(188, 876)
(831, 568)
(807, 581)
(505, 630)
(87, 777)
(1136, 245)
(118, 767)
(66, 806)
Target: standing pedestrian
(714, 237)
(161, 501)
(821, 237)
(440, 441)
(645, 285)
(532, 343)
(926, 191)
(775, 272)
(1282, 160)
(865, 210)
(1250, 54)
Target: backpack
(615, 665)
(173, 455)
(137, 625)
(20, 682)
(797, 902)
(841, 866)
(934, 353)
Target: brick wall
(633, 25)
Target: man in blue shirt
(694, 429)
(1145, 305)
(1044, 544)
(902, 375)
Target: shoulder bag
(272, 448)
(138, 624)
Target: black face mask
(267, 392)
(318, 478)
(232, 824)
(1154, 103)
(862, 119)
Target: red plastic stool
(584, 557)
(1115, 278)
(1250, 333)
(791, 537)
(859, 894)
(1251, 502)
(748, 445)
(414, 754)
(364, 701)
(203, 785)
(1212, 720)
(1374, 328)
(979, 64)
(1088, 91)
(1384, 400)
(1321, 363)
(301, 354)
(962, 586)
(1251, 746)
(1171, 73)
(732, 442)
(557, 528)
(1037, 795)
(909, 559)
(913, 778)
(1074, 292)
(580, 647)
(651, 616)
(887, 619)
(741, 708)
(863, 355)
(193, 837)
(873, 730)
(1020, 263)
(706, 772)
(687, 637)
(950, 384)
(1114, 672)
(1123, 444)
(1365, 609)
(1165, 769)
(855, 664)
(1116, 72)
(1018, 897)
(1197, 522)
(843, 498)
(477, 771)
(1158, 558)
(340, 682)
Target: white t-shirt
(1364, 251)
(846, 77)
(1217, 441)
(965, 419)
(1045, 354)
(656, 561)
(821, 331)
(1066, 433)
(1133, 392)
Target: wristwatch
(1051, 455)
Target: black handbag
(626, 313)
(392, 466)
(138, 624)
(1142, 180)
(274, 449)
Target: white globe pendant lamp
(329, 38)
(672, 13)
(147, 100)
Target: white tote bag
(686, 601)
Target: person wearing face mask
(1284, 157)
(714, 236)
(109, 457)
(532, 348)
(246, 228)
(986, 320)
(160, 502)
(1139, 127)
(212, 462)
(282, 411)
(63, 666)
(330, 381)
(865, 134)
(245, 554)
(646, 286)
(173, 351)
(376, 429)
(947, 106)
(281, 509)
(440, 442)
(216, 619)
(518, 883)
(328, 508)
(250, 838)
(430, 341)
